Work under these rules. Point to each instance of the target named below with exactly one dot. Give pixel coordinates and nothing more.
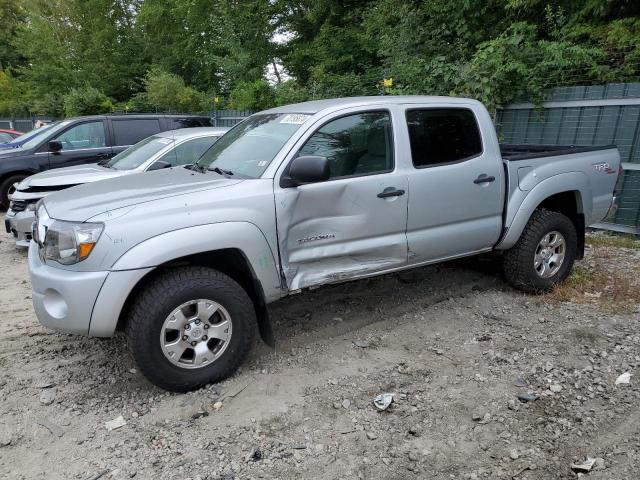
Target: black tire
(165, 293)
(6, 186)
(518, 261)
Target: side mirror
(55, 146)
(306, 169)
(159, 165)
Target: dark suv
(83, 140)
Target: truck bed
(537, 171)
(514, 152)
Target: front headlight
(69, 242)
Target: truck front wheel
(190, 326)
(544, 254)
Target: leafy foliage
(10, 95)
(167, 92)
(256, 95)
(176, 55)
(86, 101)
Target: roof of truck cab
(184, 133)
(316, 106)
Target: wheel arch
(569, 204)
(241, 252)
(11, 173)
(230, 261)
(6, 175)
(553, 194)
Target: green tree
(256, 95)
(494, 50)
(86, 101)
(70, 43)
(330, 52)
(11, 96)
(211, 44)
(12, 16)
(167, 92)
(289, 91)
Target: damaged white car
(162, 150)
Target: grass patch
(613, 240)
(614, 292)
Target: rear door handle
(484, 178)
(390, 192)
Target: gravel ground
(453, 343)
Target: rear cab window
(440, 136)
(129, 131)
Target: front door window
(83, 136)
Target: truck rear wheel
(544, 254)
(189, 327)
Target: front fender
(525, 203)
(246, 237)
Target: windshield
(248, 149)
(44, 132)
(31, 134)
(137, 154)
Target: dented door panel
(340, 229)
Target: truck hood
(85, 201)
(77, 175)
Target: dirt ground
(453, 343)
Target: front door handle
(390, 192)
(101, 155)
(484, 178)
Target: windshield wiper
(104, 163)
(220, 171)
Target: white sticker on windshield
(262, 163)
(165, 141)
(295, 118)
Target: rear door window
(188, 122)
(131, 131)
(442, 135)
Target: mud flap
(264, 325)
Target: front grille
(18, 205)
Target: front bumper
(63, 299)
(84, 303)
(18, 225)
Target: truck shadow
(339, 309)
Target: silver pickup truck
(186, 260)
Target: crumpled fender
(525, 203)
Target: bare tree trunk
(275, 70)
